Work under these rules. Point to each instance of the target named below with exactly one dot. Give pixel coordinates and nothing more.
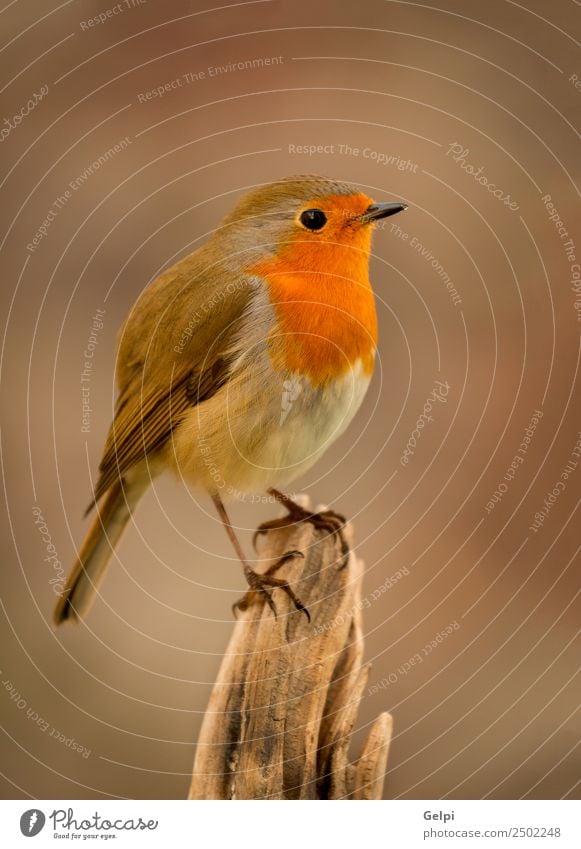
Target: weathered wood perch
(279, 720)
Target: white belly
(248, 439)
(309, 422)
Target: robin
(240, 365)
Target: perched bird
(240, 365)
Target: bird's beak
(381, 210)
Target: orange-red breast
(240, 365)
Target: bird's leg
(259, 584)
(328, 521)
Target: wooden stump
(280, 716)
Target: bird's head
(308, 239)
(310, 221)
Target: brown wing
(192, 307)
(144, 420)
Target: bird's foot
(328, 520)
(262, 585)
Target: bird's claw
(260, 586)
(327, 520)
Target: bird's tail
(91, 564)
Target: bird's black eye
(313, 219)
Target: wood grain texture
(279, 720)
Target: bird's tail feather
(83, 582)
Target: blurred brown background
(113, 708)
